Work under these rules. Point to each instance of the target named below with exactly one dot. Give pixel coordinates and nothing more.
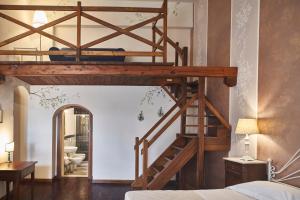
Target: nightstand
(239, 171)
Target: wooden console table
(15, 172)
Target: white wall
(115, 111)
(244, 54)
(7, 127)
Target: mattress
(256, 190)
(222, 194)
(88, 58)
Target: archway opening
(72, 142)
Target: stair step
(157, 169)
(178, 148)
(193, 106)
(168, 158)
(190, 136)
(207, 126)
(190, 115)
(190, 125)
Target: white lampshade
(10, 147)
(39, 19)
(247, 126)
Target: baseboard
(37, 180)
(117, 182)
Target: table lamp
(246, 127)
(9, 147)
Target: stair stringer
(161, 179)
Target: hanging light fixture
(141, 116)
(160, 112)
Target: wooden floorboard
(74, 189)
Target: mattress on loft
(88, 58)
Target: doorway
(72, 142)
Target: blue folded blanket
(88, 58)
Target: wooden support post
(184, 90)
(201, 132)
(137, 158)
(185, 56)
(145, 164)
(78, 31)
(183, 116)
(154, 41)
(165, 32)
(176, 55)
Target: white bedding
(221, 194)
(257, 190)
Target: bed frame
(273, 173)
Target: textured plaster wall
(279, 61)
(244, 54)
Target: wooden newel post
(145, 164)
(79, 10)
(165, 32)
(137, 158)
(185, 57)
(176, 55)
(154, 41)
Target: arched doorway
(72, 142)
(20, 113)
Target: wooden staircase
(203, 128)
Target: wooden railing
(159, 48)
(148, 142)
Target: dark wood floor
(74, 189)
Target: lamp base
(247, 158)
(9, 157)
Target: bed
(258, 190)
(273, 189)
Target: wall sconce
(9, 148)
(1, 115)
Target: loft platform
(87, 73)
(77, 72)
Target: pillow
(265, 190)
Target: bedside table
(239, 171)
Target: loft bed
(84, 59)
(213, 130)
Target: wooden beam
(201, 133)
(171, 42)
(84, 53)
(120, 30)
(37, 30)
(145, 164)
(78, 47)
(85, 8)
(165, 33)
(116, 34)
(230, 81)
(114, 70)
(169, 93)
(137, 158)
